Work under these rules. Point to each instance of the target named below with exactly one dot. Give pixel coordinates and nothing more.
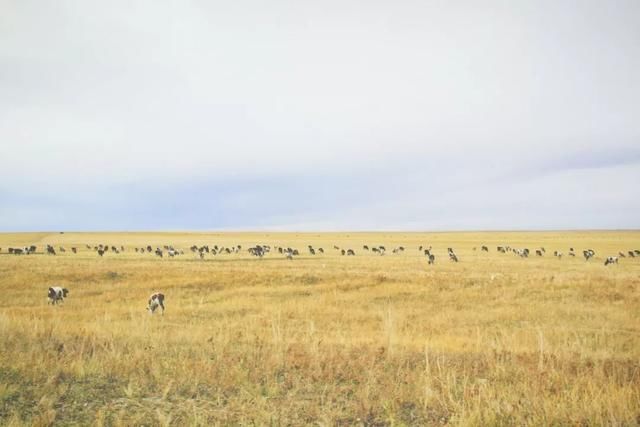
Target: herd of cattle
(262, 250)
(57, 294)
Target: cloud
(301, 114)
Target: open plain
(325, 339)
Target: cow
(432, 259)
(74, 250)
(589, 253)
(538, 252)
(342, 251)
(321, 250)
(611, 260)
(57, 294)
(350, 252)
(365, 248)
(484, 249)
(156, 300)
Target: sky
(319, 115)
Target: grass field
(328, 339)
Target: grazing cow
(312, 251)
(74, 250)
(289, 255)
(611, 260)
(156, 300)
(453, 257)
(350, 252)
(631, 254)
(321, 250)
(432, 259)
(589, 253)
(538, 252)
(50, 250)
(257, 251)
(101, 252)
(484, 249)
(57, 294)
(336, 248)
(365, 248)
(343, 252)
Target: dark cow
(350, 252)
(484, 249)
(156, 300)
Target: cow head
(65, 292)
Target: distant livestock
(156, 300)
(611, 260)
(57, 294)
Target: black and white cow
(611, 260)
(156, 300)
(57, 294)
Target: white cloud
(96, 94)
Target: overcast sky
(319, 115)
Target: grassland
(323, 340)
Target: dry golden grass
(492, 340)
